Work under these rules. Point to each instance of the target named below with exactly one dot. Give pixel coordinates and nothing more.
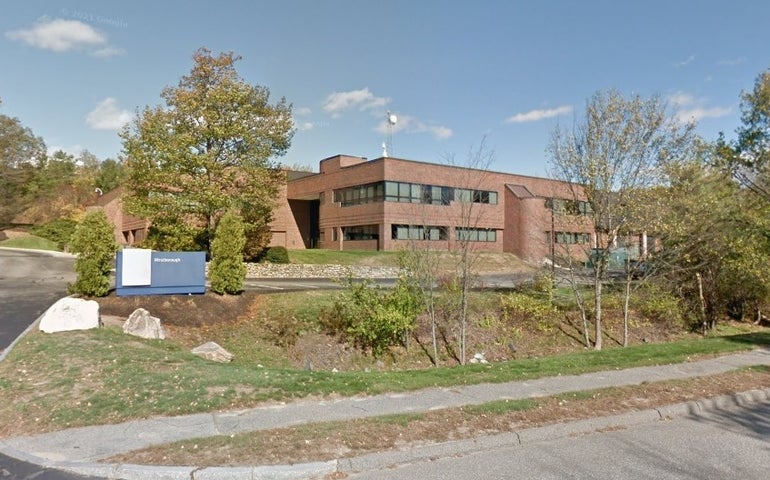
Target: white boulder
(213, 351)
(141, 324)
(70, 314)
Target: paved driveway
(30, 281)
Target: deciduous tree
(20, 150)
(614, 152)
(748, 158)
(208, 150)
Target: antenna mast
(388, 145)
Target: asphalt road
(732, 443)
(30, 282)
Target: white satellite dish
(392, 118)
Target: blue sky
(453, 72)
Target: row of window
(406, 192)
(420, 232)
(433, 232)
(568, 207)
(569, 238)
(417, 232)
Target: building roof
(520, 190)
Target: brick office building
(387, 203)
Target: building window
(466, 195)
(418, 232)
(569, 207)
(361, 232)
(359, 194)
(405, 192)
(417, 193)
(476, 234)
(569, 238)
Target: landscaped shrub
(541, 287)
(525, 307)
(94, 244)
(373, 318)
(227, 271)
(59, 231)
(276, 255)
(658, 305)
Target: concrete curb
(427, 453)
(52, 253)
(420, 454)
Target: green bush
(524, 306)
(227, 270)
(59, 231)
(94, 244)
(659, 305)
(276, 255)
(542, 287)
(371, 317)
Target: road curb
(459, 448)
(419, 454)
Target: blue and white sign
(145, 272)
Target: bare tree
(469, 199)
(608, 157)
(421, 260)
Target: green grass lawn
(31, 242)
(103, 376)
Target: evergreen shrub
(94, 244)
(227, 271)
(276, 255)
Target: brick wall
(522, 223)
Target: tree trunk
(598, 307)
(704, 324)
(433, 335)
(625, 309)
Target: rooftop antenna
(392, 119)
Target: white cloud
(304, 126)
(108, 116)
(731, 62)
(59, 35)
(681, 99)
(685, 62)
(74, 150)
(408, 124)
(441, 132)
(537, 115)
(108, 52)
(688, 108)
(355, 99)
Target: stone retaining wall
(275, 270)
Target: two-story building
(386, 203)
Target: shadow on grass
(760, 339)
